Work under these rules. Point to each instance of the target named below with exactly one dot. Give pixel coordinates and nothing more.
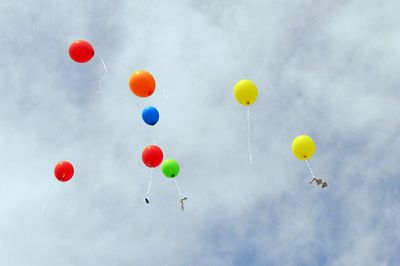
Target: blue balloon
(150, 115)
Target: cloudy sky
(329, 69)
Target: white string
(309, 167)
(151, 175)
(248, 135)
(154, 134)
(45, 203)
(165, 94)
(105, 73)
(177, 186)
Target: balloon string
(181, 197)
(105, 73)
(309, 167)
(165, 94)
(248, 135)
(177, 186)
(45, 203)
(154, 135)
(151, 175)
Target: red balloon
(152, 156)
(81, 51)
(64, 171)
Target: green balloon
(170, 168)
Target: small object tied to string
(105, 73)
(182, 198)
(146, 199)
(182, 203)
(317, 180)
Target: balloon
(303, 147)
(245, 92)
(81, 51)
(170, 168)
(64, 171)
(152, 156)
(142, 83)
(150, 115)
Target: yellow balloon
(245, 92)
(303, 147)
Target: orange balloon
(142, 83)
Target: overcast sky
(329, 69)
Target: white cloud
(328, 70)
